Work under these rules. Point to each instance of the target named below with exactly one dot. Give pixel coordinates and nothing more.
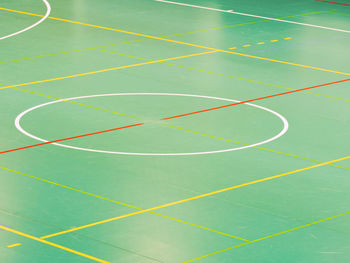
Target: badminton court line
(193, 198)
(48, 11)
(256, 16)
(172, 117)
(174, 41)
(270, 236)
(119, 203)
(337, 3)
(171, 35)
(51, 244)
(177, 127)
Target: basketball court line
(173, 41)
(48, 11)
(119, 203)
(51, 244)
(177, 127)
(172, 117)
(142, 40)
(194, 198)
(251, 15)
(337, 3)
(267, 237)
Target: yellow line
(105, 70)
(275, 40)
(52, 244)
(260, 43)
(174, 41)
(194, 198)
(287, 38)
(117, 202)
(270, 236)
(14, 245)
(248, 45)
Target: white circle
(282, 132)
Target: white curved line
(48, 11)
(282, 118)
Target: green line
(120, 203)
(340, 13)
(74, 102)
(140, 40)
(245, 144)
(220, 74)
(270, 236)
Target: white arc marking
(263, 17)
(282, 132)
(48, 11)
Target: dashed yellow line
(173, 41)
(262, 43)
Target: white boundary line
(263, 17)
(48, 11)
(282, 132)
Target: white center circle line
(281, 133)
(48, 11)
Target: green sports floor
(174, 131)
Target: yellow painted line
(52, 244)
(117, 202)
(275, 40)
(287, 38)
(193, 198)
(233, 48)
(106, 70)
(266, 237)
(140, 40)
(224, 75)
(14, 245)
(260, 43)
(173, 41)
(248, 45)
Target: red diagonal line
(70, 138)
(173, 117)
(247, 101)
(333, 2)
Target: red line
(247, 101)
(70, 138)
(173, 117)
(333, 2)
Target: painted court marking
(173, 117)
(159, 38)
(263, 17)
(48, 11)
(194, 198)
(281, 133)
(337, 3)
(51, 244)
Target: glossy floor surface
(187, 131)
